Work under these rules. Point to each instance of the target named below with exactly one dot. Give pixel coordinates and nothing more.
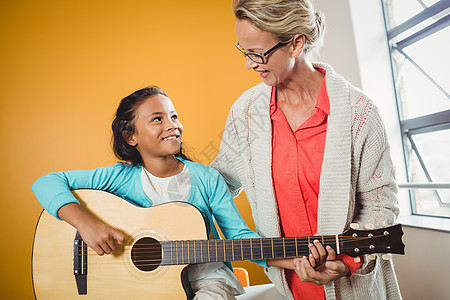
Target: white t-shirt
(177, 188)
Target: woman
(310, 151)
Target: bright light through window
(419, 39)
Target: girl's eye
(174, 117)
(157, 119)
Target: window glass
(423, 85)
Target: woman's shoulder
(256, 92)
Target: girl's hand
(100, 237)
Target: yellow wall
(64, 66)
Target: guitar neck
(205, 251)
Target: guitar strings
(221, 247)
(183, 259)
(184, 245)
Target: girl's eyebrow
(160, 113)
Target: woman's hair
(284, 19)
(123, 125)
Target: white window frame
(373, 51)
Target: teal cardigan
(209, 193)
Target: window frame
(427, 123)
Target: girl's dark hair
(123, 126)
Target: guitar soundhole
(146, 254)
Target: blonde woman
(310, 151)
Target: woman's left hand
(323, 273)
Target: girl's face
(157, 129)
(278, 63)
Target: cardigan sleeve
(54, 189)
(376, 190)
(228, 159)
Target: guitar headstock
(384, 240)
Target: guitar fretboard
(204, 251)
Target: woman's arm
(228, 158)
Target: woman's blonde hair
(284, 19)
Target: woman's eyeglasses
(258, 57)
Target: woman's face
(157, 128)
(278, 64)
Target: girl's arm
(53, 191)
(226, 213)
(97, 235)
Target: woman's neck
(163, 166)
(302, 85)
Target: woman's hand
(100, 237)
(318, 270)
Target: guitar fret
(273, 254)
(224, 254)
(338, 250)
(242, 251)
(188, 258)
(178, 252)
(309, 242)
(251, 249)
(262, 254)
(232, 248)
(172, 251)
(209, 253)
(267, 251)
(284, 248)
(216, 248)
(296, 247)
(194, 252)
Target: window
(419, 40)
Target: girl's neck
(163, 166)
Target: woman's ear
(298, 43)
(129, 138)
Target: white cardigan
(357, 182)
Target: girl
(147, 136)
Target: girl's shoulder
(199, 169)
(119, 169)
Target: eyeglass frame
(262, 55)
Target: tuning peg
(371, 257)
(386, 257)
(369, 226)
(357, 259)
(354, 226)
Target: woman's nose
(250, 64)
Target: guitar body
(114, 276)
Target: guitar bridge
(80, 264)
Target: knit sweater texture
(357, 181)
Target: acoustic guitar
(160, 242)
